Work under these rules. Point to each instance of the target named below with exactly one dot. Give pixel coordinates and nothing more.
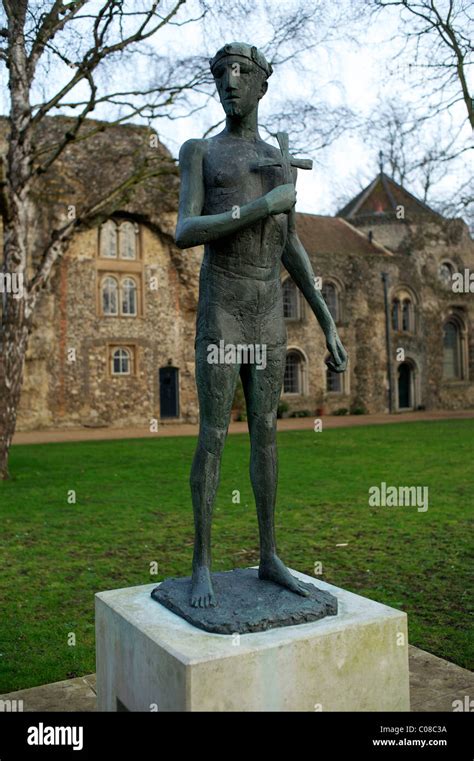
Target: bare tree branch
(52, 22)
(447, 49)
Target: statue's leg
(262, 389)
(216, 387)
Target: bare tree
(422, 133)
(418, 157)
(78, 57)
(413, 152)
(437, 38)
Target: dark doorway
(404, 387)
(169, 392)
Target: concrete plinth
(149, 659)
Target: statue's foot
(202, 593)
(273, 569)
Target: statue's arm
(193, 229)
(296, 261)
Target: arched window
(403, 311)
(452, 351)
(121, 362)
(127, 241)
(396, 314)
(290, 300)
(407, 314)
(108, 240)
(445, 273)
(109, 296)
(333, 382)
(293, 380)
(330, 295)
(129, 297)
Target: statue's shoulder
(192, 149)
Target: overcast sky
(339, 72)
(351, 73)
(344, 73)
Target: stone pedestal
(150, 659)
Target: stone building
(113, 343)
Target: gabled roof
(332, 235)
(381, 198)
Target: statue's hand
(337, 361)
(281, 199)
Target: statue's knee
(212, 439)
(264, 429)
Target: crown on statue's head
(243, 50)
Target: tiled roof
(381, 198)
(332, 235)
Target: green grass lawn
(133, 508)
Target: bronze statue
(237, 198)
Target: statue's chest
(233, 172)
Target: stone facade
(70, 377)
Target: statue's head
(240, 72)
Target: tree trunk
(12, 362)
(18, 218)
(15, 320)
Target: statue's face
(240, 85)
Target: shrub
(358, 409)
